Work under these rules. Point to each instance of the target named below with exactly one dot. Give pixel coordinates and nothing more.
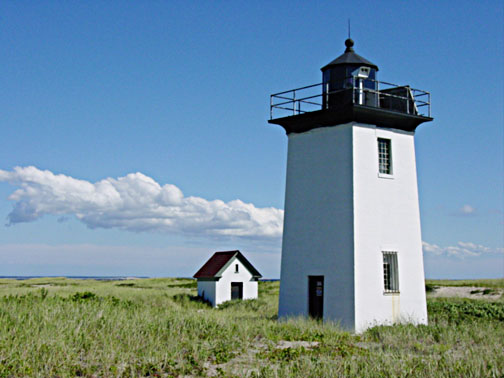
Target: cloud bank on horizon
(136, 203)
(461, 250)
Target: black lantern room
(346, 72)
(350, 92)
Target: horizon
(125, 278)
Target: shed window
(236, 268)
(390, 272)
(384, 156)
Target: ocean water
(102, 278)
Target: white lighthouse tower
(352, 249)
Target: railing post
(353, 90)
(294, 102)
(327, 96)
(271, 107)
(377, 104)
(429, 105)
(361, 91)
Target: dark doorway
(236, 290)
(316, 296)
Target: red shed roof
(220, 260)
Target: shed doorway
(316, 296)
(236, 290)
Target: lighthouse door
(316, 296)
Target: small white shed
(225, 276)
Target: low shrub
(192, 284)
(465, 309)
(430, 288)
(187, 300)
(126, 284)
(282, 355)
(83, 296)
(489, 291)
(246, 305)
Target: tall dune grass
(157, 327)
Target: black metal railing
(383, 95)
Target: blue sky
(166, 103)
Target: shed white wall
(206, 290)
(318, 227)
(219, 291)
(223, 288)
(387, 218)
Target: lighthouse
(352, 247)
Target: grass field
(59, 327)
(493, 283)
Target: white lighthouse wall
(318, 225)
(223, 285)
(387, 218)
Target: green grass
(489, 283)
(157, 327)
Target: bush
(242, 304)
(430, 288)
(186, 300)
(192, 284)
(126, 284)
(83, 296)
(465, 309)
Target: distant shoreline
(98, 278)
(102, 278)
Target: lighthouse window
(390, 272)
(384, 156)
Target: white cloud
(135, 203)
(138, 203)
(464, 211)
(467, 209)
(461, 249)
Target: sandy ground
(247, 360)
(465, 292)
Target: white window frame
(389, 171)
(390, 272)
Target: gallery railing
(366, 92)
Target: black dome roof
(350, 58)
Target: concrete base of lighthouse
(341, 215)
